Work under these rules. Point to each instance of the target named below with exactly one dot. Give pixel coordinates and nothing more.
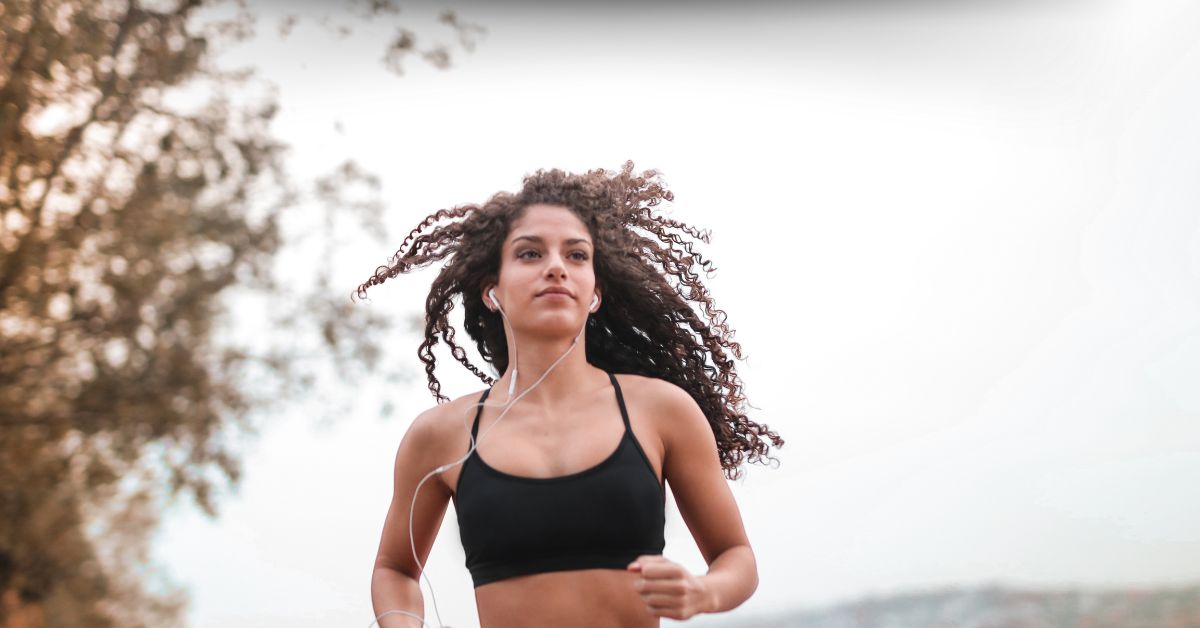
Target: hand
(668, 589)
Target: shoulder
(674, 413)
(656, 393)
(442, 425)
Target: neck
(536, 355)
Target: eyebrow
(539, 240)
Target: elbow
(753, 569)
(749, 573)
(734, 580)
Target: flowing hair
(658, 318)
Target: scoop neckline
(576, 474)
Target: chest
(540, 447)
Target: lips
(562, 291)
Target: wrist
(708, 595)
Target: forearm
(731, 579)
(393, 590)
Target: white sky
(961, 248)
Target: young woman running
(616, 378)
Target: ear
(487, 300)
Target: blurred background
(959, 241)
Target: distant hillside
(1000, 607)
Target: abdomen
(588, 598)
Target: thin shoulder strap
(478, 413)
(620, 401)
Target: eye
(523, 254)
(581, 256)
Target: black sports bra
(599, 518)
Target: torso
(552, 442)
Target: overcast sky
(959, 242)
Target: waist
(581, 599)
(485, 572)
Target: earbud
(595, 302)
(512, 382)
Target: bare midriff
(585, 598)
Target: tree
(127, 219)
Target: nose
(555, 266)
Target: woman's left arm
(692, 466)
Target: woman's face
(546, 281)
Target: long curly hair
(645, 266)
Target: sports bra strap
(478, 413)
(621, 402)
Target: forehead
(548, 221)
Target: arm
(394, 580)
(692, 466)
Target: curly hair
(645, 266)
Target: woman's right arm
(395, 580)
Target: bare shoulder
(679, 422)
(671, 406)
(655, 392)
(441, 426)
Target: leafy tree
(128, 219)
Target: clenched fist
(668, 589)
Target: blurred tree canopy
(127, 220)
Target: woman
(559, 527)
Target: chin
(554, 325)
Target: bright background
(960, 243)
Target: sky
(959, 243)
